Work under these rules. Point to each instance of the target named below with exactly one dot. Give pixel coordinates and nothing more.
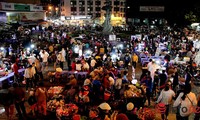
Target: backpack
(186, 109)
(127, 58)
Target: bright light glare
(134, 81)
(76, 49)
(120, 46)
(32, 46)
(88, 51)
(28, 49)
(157, 62)
(114, 56)
(2, 48)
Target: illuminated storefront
(22, 12)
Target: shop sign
(6, 6)
(32, 16)
(152, 8)
(22, 7)
(112, 37)
(36, 8)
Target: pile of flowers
(55, 90)
(67, 110)
(146, 114)
(52, 105)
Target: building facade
(21, 13)
(38, 2)
(92, 9)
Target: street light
(50, 7)
(56, 8)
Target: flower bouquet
(54, 90)
(52, 105)
(146, 114)
(67, 111)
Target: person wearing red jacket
(15, 69)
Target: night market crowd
(100, 83)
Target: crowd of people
(110, 90)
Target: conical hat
(59, 70)
(105, 106)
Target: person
(104, 111)
(15, 69)
(35, 80)
(197, 114)
(148, 82)
(131, 111)
(165, 97)
(72, 81)
(149, 64)
(28, 77)
(44, 55)
(134, 60)
(32, 102)
(175, 78)
(6, 99)
(41, 97)
(127, 59)
(163, 79)
(38, 66)
(187, 101)
(118, 86)
(93, 114)
(61, 59)
(73, 66)
(93, 63)
(19, 99)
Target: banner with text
(36, 8)
(32, 16)
(152, 8)
(22, 7)
(6, 6)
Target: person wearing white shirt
(44, 55)
(165, 97)
(187, 101)
(61, 60)
(28, 76)
(149, 65)
(85, 66)
(78, 66)
(93, 63)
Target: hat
(130, 106)
(87, 82)
(121, 116)
(105, 106)
(59, 70)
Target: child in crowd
(32, 102)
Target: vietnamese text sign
(152, 8)
(22, 7)
(33, 16)
(36, 8)
(7, 6)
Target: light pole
(50, 11)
